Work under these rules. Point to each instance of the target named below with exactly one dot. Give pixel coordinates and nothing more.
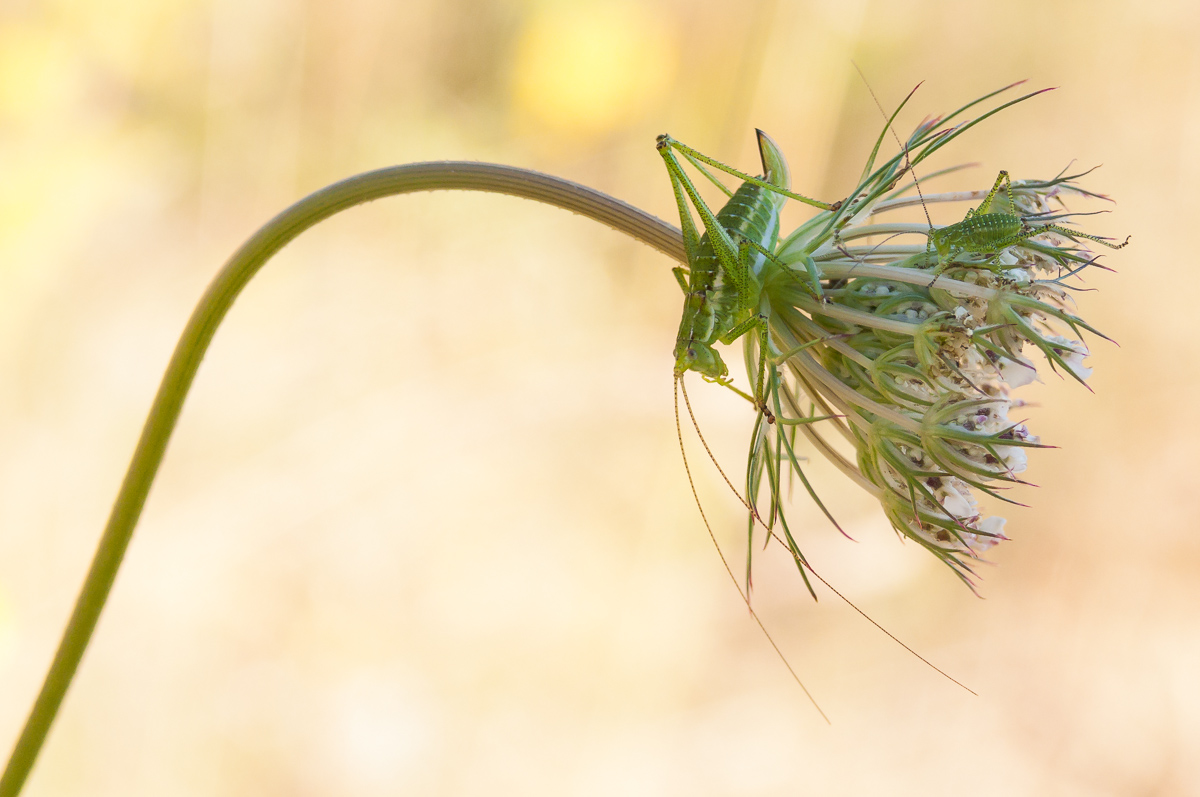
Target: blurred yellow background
(423, 528)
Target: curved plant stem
(207, 316)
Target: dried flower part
(914, 350)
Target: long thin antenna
(681, 386)
(877, 625)
(908, 167)
(712, 457)
(745, 598)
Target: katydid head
(701, 358)
(940, 238)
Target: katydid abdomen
(982, 233)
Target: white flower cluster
(911, 354)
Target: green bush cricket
(726, 298)
(986, 231)
(723, 284)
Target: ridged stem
(221, 293)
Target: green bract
(911, 351)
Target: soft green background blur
(424, 529)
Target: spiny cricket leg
(943, 264)
(760, 385)
(1076, 234)
(1001, 179)
(665, 141)
(1028, 232)
(813, 285)
(729, 385)
(814, 277)
(722, 246)
(1012, 203)
(759, 320)
(759, 399)
(691, 237)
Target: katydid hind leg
(985, 206)
(1067, 231)
(722, 244)
(666, 141)
(691, 236)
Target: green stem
(207, 316)
(846, 269)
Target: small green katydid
(726, 297)
(723, 285)
(985, 231)
(725, 300)
(723, 280)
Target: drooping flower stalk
(245, 263)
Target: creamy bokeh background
(423, 528)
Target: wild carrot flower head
(902, 372)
